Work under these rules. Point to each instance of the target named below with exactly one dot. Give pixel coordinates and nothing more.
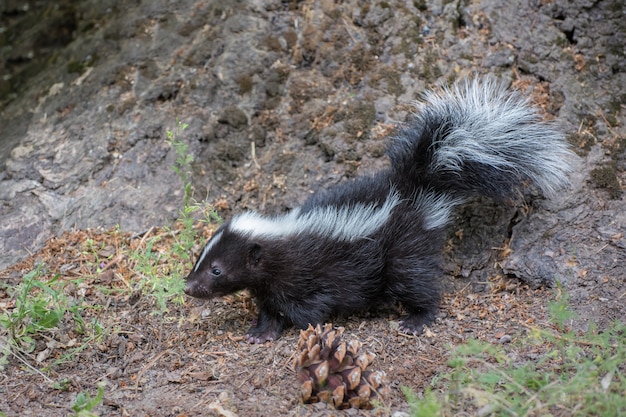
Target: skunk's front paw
(257, 335)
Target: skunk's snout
(190, 285)
(195, 287)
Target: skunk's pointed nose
(189, 287)
(194, 287)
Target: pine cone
(334, 371)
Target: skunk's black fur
(378, 238)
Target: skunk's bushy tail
(478, 138)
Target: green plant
(183, 158)
(63, 384)
(84, 404)
(575, 374)
(93, 250)
(156, 279)
(182, 167)
(428, 406)
(39, 306)
(161, 272)
(559, 308)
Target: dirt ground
(194, 358)
(283, 98)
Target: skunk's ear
(254, 254)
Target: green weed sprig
(84, 405)
(41, 306)
(184, 159)
(161, 272)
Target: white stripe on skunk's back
(435, 209)
(345, 223)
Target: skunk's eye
(216, 271)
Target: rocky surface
(283, 97)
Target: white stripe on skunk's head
(210, 244)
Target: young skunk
(378, 238)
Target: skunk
(379, 238)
